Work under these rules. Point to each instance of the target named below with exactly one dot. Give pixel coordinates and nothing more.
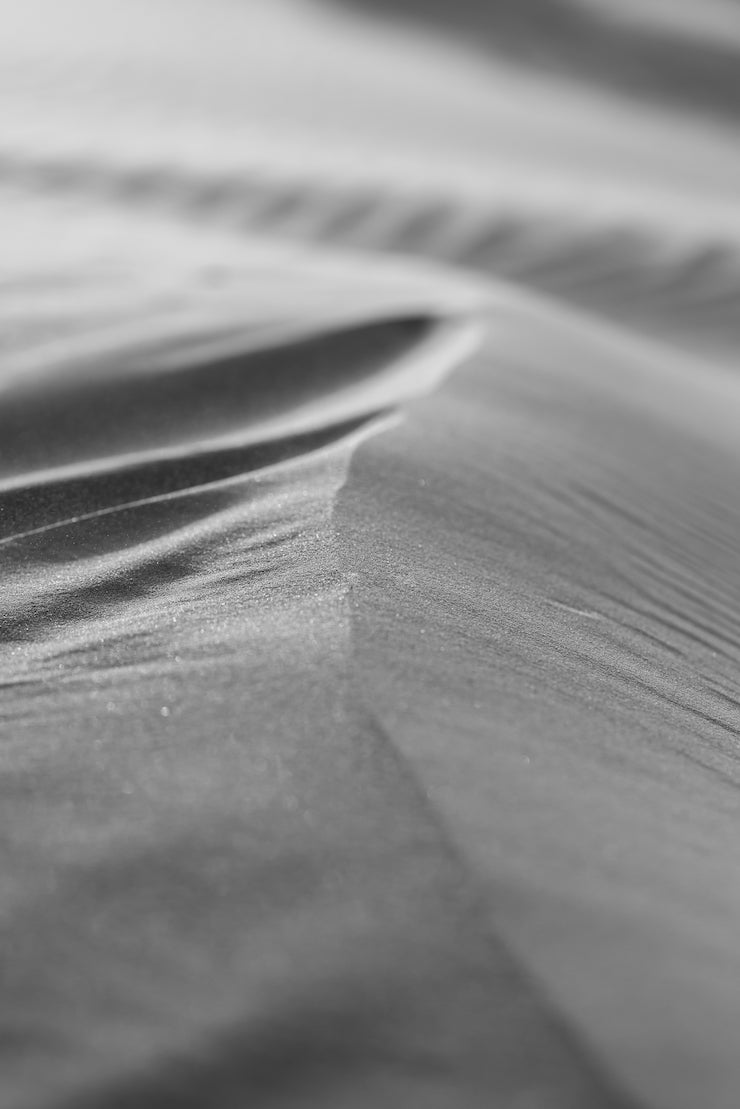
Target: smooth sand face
(547, 619)
(349, 760)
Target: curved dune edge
(413, 356)
(129, 338)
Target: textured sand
(368, 735)
(546, 616)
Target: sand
(370, 614)
(546, 614)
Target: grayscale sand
(370, 610)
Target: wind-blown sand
(368, 734)
(547, 616)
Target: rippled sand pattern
(368, 735)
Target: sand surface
(369, 517)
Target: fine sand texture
(223, 884)
(369, 518)
(546, 618)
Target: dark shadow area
(55, 503)
(565, 37)
(107, 414)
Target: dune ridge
(339, 767)
(237, 885)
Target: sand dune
(547, 616)
(368, 731)
(249, 894)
